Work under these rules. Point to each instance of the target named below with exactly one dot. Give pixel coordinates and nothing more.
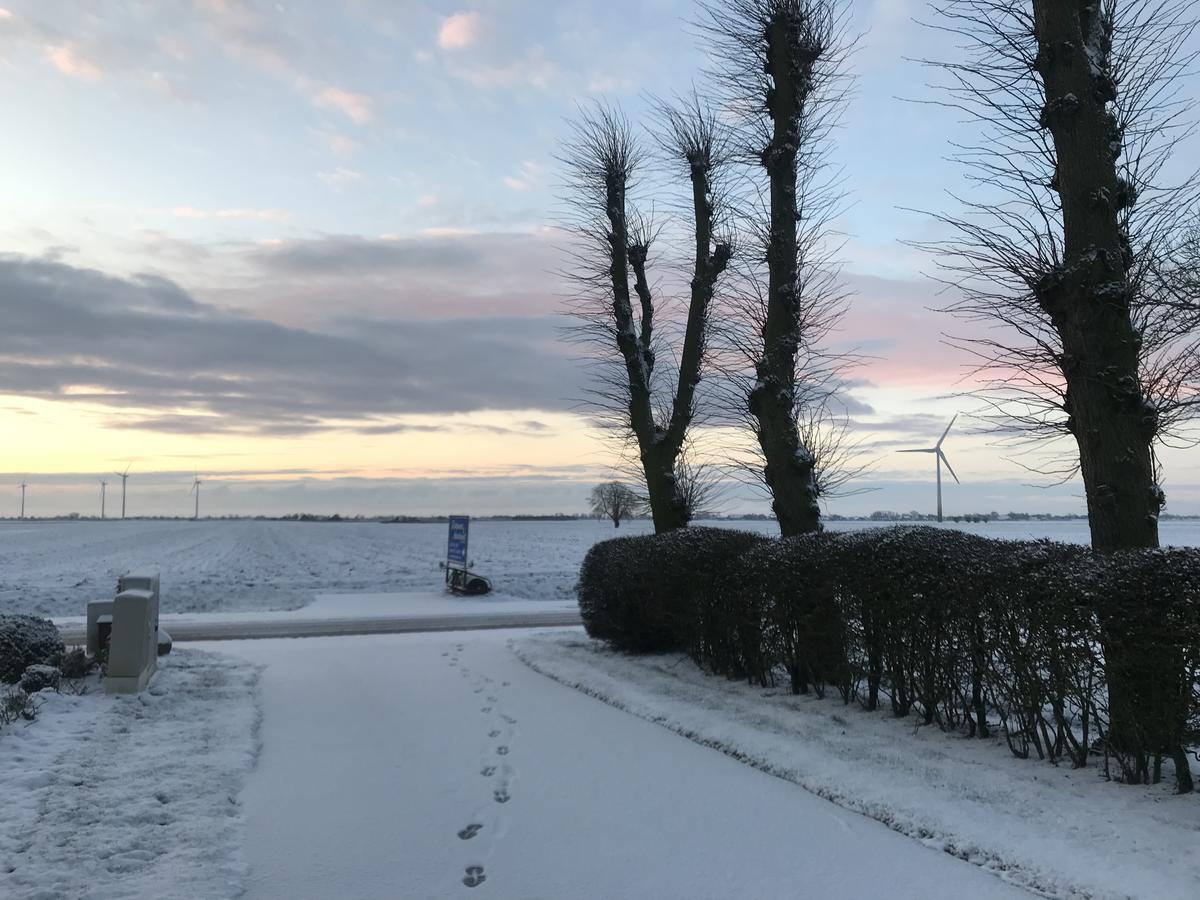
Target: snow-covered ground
(1062, 832)
(54, 568)
(416, 766)
(132, 797)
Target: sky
(308, 253)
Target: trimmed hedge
(1066, 653)
(639, 593)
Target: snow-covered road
(438, 765)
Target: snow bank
(1054, 830)
(132, 797)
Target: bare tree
(1073, 241)
(611, 267)
(782, 65)
(616, 501)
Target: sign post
(456, 545)
(458, 579)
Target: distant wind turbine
(124, 476)
(196, 490)
(23, 486)
(941, 458)
(103, 491)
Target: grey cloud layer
(144, 343)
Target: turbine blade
(947, 431)
(947, 462)
(926, 450)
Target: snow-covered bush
(26, 641)
(76, 664)
(40, 677)
(641, 594)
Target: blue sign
(456, 547)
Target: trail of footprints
(498, 772)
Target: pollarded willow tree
(1074, 239)
(782, 67)
(615, 301)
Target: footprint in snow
(487, 771)
(509, 719)
(470, 831)
(502, 750)
(501, 795)
(486, 709)
(494, 733)
(474, 876)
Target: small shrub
(16, 705)
(26, 641)
(76, 664)
(39, 678)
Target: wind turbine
(941, 458)
(103, 491)
(124, 476)
(23, 486)
(196, 490)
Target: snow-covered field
(54, 568)
(132, 797)
(1059, 831)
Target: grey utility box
(133, 646)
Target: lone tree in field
(612, 267)
(782, 67)
(616, 501)
(1074, 241)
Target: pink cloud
(429, 200)
(359, 108)
(68, 61)
(527, 178)
(460, 30)
(341, 145)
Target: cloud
(68, 60)
(533, 69)
(526, 179)
(427, 200)
(359, 108)
(460, 30)
(162, 360)
(261, 215)
(341, 175)
(341, 145)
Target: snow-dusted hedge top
(1044, 641)
(26, 641)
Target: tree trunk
(659, 448)
(790, 468)
(1088, 296)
